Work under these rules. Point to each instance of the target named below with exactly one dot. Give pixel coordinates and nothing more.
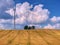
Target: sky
(43, 14)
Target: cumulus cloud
(49, 26)
(23, 9)
(55, 19)
(38, 16)
(11, 12)
(55, 26)
(20, 20)
(25, 14)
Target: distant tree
(29, 27)
(33, 27)
(26, 27)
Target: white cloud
(22, 9)
(36, 15)
(55, 19)
(55, 26)
(20, 20)
(6, 21)
(49, 26)
(11, 12)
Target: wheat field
(30, 37)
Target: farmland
(30, 37)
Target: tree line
(29, 27)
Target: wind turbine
(14, 13)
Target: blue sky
(50, 14)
